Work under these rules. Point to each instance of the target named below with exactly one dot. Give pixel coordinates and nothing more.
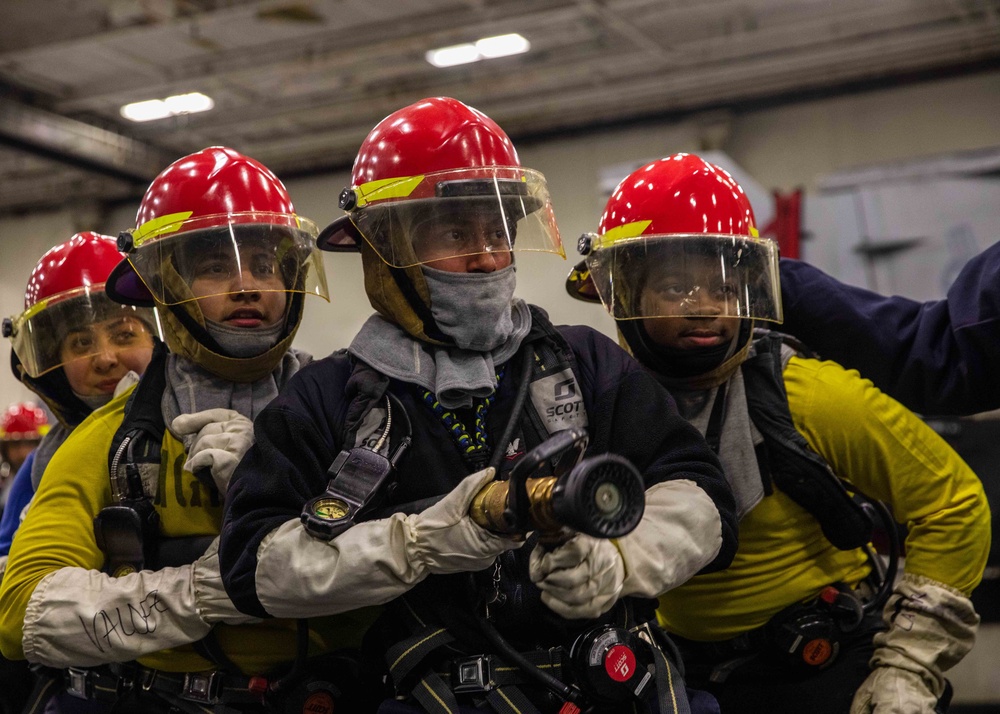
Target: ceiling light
(152, 109)
(454, 55)
(502, 46)
(486, 48)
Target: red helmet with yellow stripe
(65, 296)
(214, 202)
(673, 232)
(427, 174)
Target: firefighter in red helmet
(448, 386)
(806, 618)
(137, 491)
(74, 348)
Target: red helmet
(189, 210)
(426, 165)
(65, 294)
(680, 215)
(84, 261)
(23, 422)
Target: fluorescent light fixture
(152, 109)
(502, 46)
(454, 55)
(486, 48)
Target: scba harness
(128, 533)
(451, 655)
(804, 637)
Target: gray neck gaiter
(241, 342)
(474, 309)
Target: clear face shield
(695, 275)
(78, 325)
(215, 256)
(451, 214)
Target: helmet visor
(79, 324)
(238, 253)
(694, 275)
(450, 214)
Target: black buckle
(78, 683)
(201, 687)
(472, 675)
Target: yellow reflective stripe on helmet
(32, 311)
(629, 230)
(57, 298)
(399, 187)
(159, 226)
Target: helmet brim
(580, 285)
(126, 287)
(341, 236)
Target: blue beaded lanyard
(473, 447)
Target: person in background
(438, 203)
(936, 357)
(22, 426)
(73, 347)
(114, 572)
(794, 623)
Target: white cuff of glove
(375, 561)
(679, 534)
(211, 601)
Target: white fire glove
(680, 532)
(79, 617)
(374, 561)
(444, 538)
(931, 628)
(215, 439)
(582, 578)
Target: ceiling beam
(78, 144)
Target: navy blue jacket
(937, 357)
(298, 435)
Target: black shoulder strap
(127, 530)
(364, 391)
(367, 459)
(143, 414)
(798, 470)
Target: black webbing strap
(510, 700)
(434, 695)
(403, 657)
(47, 684)
(209, 648)
(670, 692)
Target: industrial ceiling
(297, 84)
